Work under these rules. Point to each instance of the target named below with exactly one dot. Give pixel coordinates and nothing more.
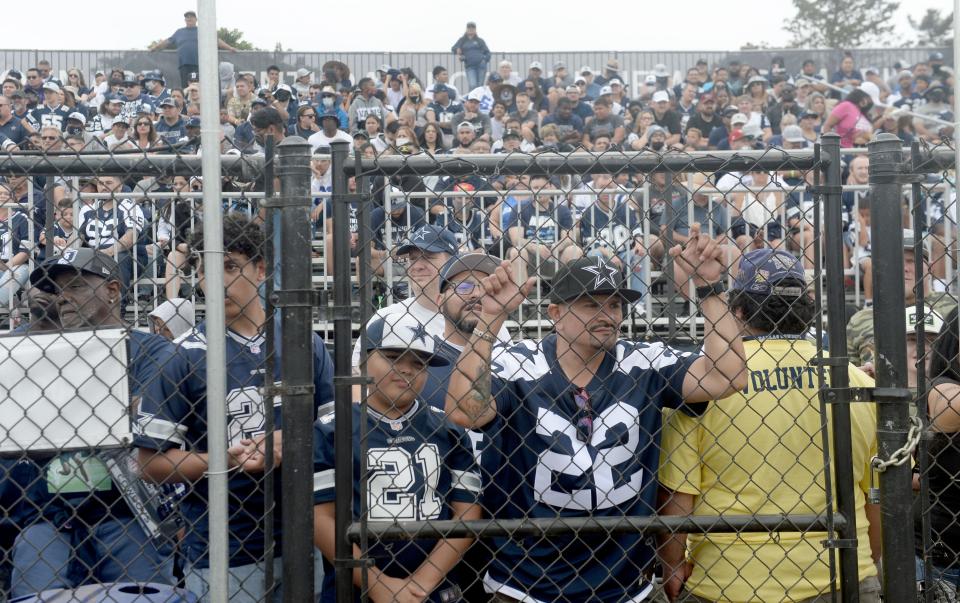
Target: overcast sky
(431, 25)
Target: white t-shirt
(319, 139)
(432, 321)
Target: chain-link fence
(921, 187)
(568, 376)
(630, 348)
(107, 427)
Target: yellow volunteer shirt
(760, 452)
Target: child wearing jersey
(419, 467)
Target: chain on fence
(568, 377)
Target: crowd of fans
(395, 111)
(425, 231)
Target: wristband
(485, 336)
(717, 288)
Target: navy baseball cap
(193, 122)
(78, 261)
(430, 238)
(495, 77)
(468, 262)
(590, 276)
(770, 272)
(402, 331)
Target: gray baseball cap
(468, 262)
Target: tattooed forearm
(480, 401)
(469, 401)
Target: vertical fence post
(342, 346)
(294, 298)
(890, 358)
(270, 252)
(217, 486)
(839, 377)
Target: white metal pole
(215, 325)
(956, 125)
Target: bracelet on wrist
(485, 336)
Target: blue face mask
(327, 101)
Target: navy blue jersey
(400, 227)
(14, 235)
(611, 229)
(14, 130)
(44, 116)
(543, 225)
(564, 126)
(416, 466)
(472, 234)
(171, 134)
(445, 115)
(101, 227)
(181, 422)
(552, 473)
(155, 99)
(80, 484)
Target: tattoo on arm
(480, 400)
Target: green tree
(933, 28)
(234, 37)
(841, 23)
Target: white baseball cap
(661, 96)
(536, 65)
(403, 332)
(932, 321)
(739, 118)
(793, 133)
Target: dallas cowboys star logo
(605, 273)
(421, 235)
(419, 332)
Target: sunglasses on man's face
(49, 138)
(584, 415)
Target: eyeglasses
(584, 415)
(465, 287)
(310, 115)
(49, 138)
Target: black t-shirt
(402, 225)
(705, 127)
(670, 121)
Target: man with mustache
(578, 413)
